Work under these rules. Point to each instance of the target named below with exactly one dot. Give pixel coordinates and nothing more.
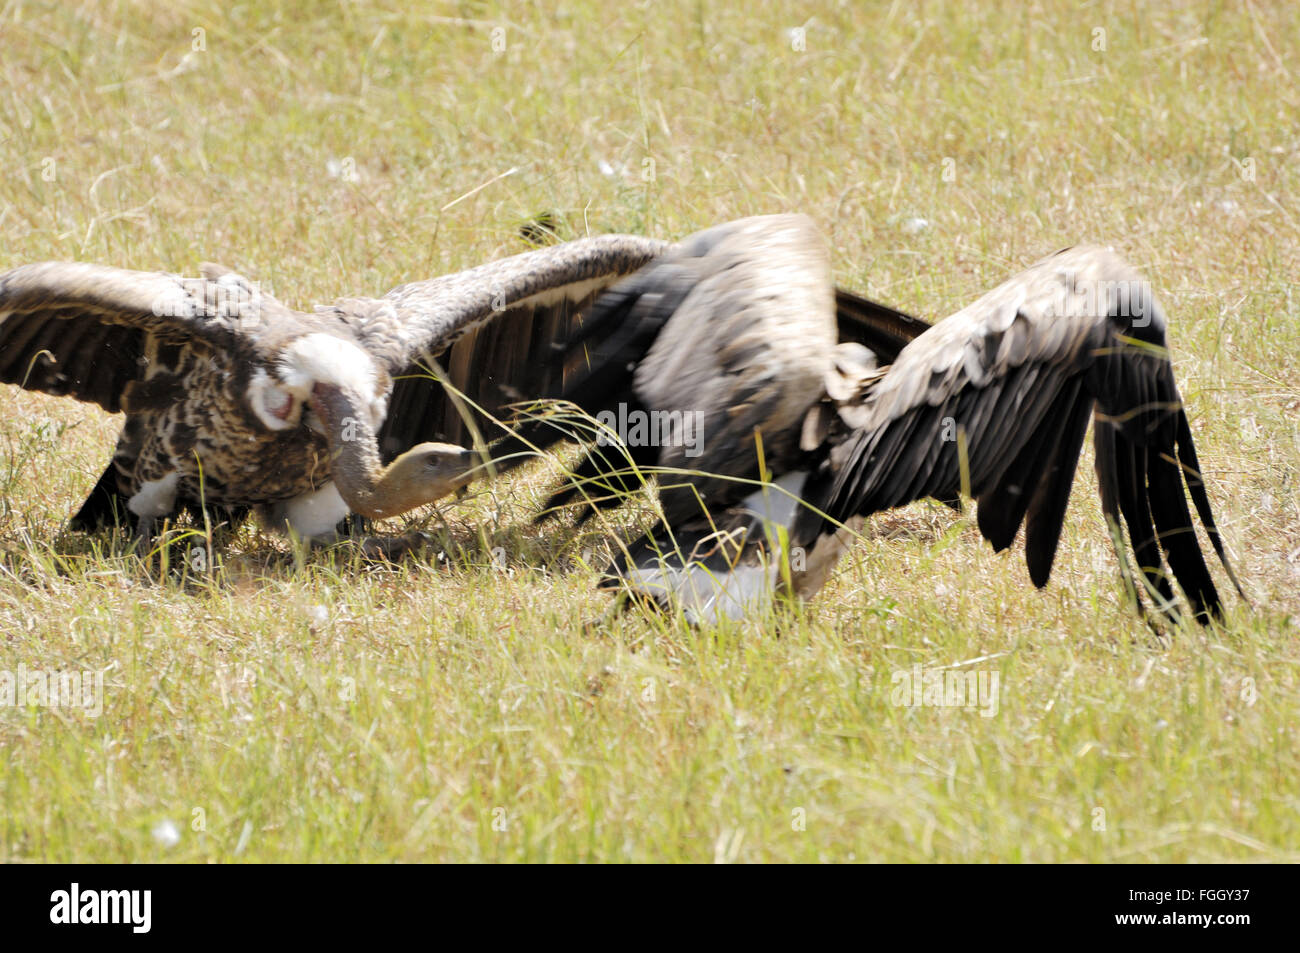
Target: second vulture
(802, 434)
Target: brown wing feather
(495, 365)
(80, 330)
(492, 329)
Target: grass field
(290, 707)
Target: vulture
(234, 401)
(801, 433)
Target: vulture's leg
(218, 517)
(356, 526)
(143, 537)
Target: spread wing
(491, 329)
(996, 400)
(727, 334)
(87, 331)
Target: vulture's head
(334, 386)
(423, 474)
(282, 394)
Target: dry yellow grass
(293, 708)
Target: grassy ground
(290, 708)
